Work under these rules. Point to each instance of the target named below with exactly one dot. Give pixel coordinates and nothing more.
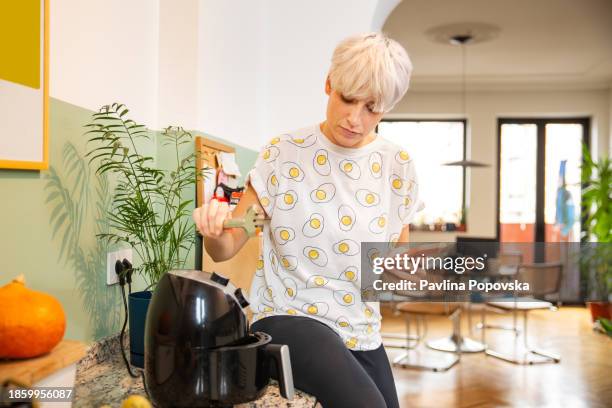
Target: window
(442, 188)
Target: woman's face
(349, 123)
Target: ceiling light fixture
(462, 40)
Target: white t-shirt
(323, 200)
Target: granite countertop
(103, 379)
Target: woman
(325, 189)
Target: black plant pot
(138, 304)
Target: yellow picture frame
(24, 84)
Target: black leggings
(325, 368)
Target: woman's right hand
(209, 218)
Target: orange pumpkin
(31, 322)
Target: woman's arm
(222, 244)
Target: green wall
(63, 257)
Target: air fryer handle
(280, 355)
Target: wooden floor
(583, 378)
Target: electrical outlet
(111, 259)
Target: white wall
(483, 109)
(229, 69)
(262, 65)
(300, 39)
(178, 63)
(105, 52)
(238, 69)
(143, 53)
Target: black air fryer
(198, 350)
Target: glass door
(539, 180)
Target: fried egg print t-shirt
(323, 200)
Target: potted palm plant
(150, 209)
(597, 212)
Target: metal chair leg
(456, 342)
(395, 336)
(483, 318)
(407, 338)
(413, 359)
(527, 356)
(482, 326)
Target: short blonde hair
(371, 65)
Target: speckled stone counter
(102, 379)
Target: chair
(418, 311)
(414, 307)
(504, 266)
(544, 280)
